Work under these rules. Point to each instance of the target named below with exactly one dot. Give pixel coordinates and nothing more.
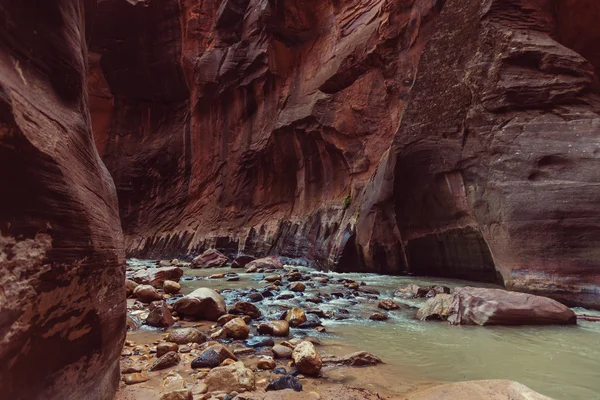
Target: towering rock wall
(62, 303)
(495, 167)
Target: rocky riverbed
(259, 329)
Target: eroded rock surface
(62, 301)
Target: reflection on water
(562, 362)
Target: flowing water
(562, 362)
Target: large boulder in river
(211, 258)
(481, 306)
(479, 390)
(265, 263)
(437, 307)
(157, 276)
(203, 303)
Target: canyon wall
(452, 138)
(62, 303)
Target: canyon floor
(419, 359)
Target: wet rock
(202, 303)
(243, 351)
(233, 278)
(181, 394)
(313, 299)
(171, 287)
(388, 304)
(312, 321)
(132, 379)
(377, 316)
(241, 261)
(266, 263)
(260, 341)
(295, 317)
(275, 328)
(411, 291)
(437, 307)
(156, 277)
(211, 258)
(199, 388)
(160, 315)
(245, 308)
(208, 359)
(255, 297)
(173, 381)
(293, 276)
(216, 276)
(146, 294)
(297, 287)
(476, 390)
(186, 335)
(307, 359)
(285, 382)
(165, 347)
(266, 363)
(285, 296)
(130, 287)
(283, 352)
(223, 319)
(358, 359)
(273, 278)
(236, 329)
(481, 306)
(168, 360)
(279, 371)
(235, 377)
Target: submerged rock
(481, 306)
(437, 307)
(285, 382)
(211, 258)
(202, 303)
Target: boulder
(235, 377)
(285, 382)
(241, 261)
(245, 308)
(437, 307)
(223, 319)
(388, 304)
(297, 287)
(275, 328)
(295, 317)
(146, 293)
(167, 360)
(482, 306)
(307, 359)
(358, 359)
(186, 335)
(411, 291)
(160, 315)
(211, 258)
(171, 287)
(479, 390)
(203, 303)
(236, 329)
(130, 287)
(266, 263)
(157, 276)
(165, 347)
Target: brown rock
(132, 379)
(388, 304)
(156, 277)
(186, 335)
(211, 258)
(235, 377)
(266, 263)
(160, 315)
(223, 319)
(358, 359)
(236, 329)
(480, 306)
(146, 293)
(411, 291)
(275, 328)
(476, 390)
(171, 287)
(307, 359)
(245, 308)
(241, 261)
(165, 347)
(202, 303)
(266, 363)
(167, 360)
(280, 351)
(297, 287)
(129, 287)
(181, 394)
(273, 278)
(377, 316)
(295, 317)
(437, 307)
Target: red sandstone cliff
(62, 303)
(465, 133)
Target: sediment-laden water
(562, 362)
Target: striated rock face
(62, 303)
(366, 135)
(244, 124)
(495, 167)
